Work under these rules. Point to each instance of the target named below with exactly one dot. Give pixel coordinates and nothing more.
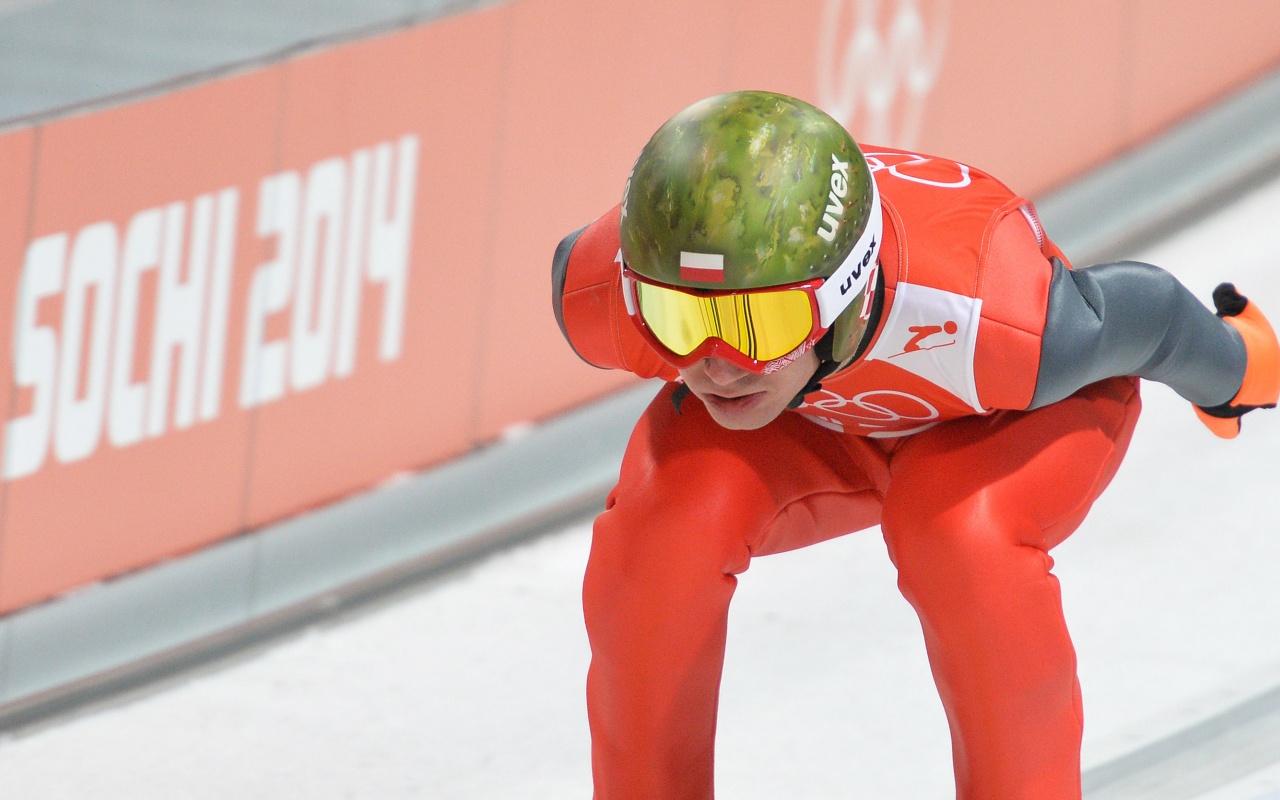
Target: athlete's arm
(1130, 318)
(586, 294)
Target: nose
(721, 372)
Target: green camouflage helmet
(770, 187)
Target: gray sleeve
(1130, 318)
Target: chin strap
(826, 366)
(678, 396)
(826, 359)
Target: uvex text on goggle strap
(758, 329)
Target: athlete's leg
(693, 504)
(972, 509)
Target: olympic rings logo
(878, 408)
(859, 68)
(896, 162)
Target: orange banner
(392, 168)
(234, 301)
(137, 263)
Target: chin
(736, 424)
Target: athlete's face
(742, 400)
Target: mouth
(741, 402)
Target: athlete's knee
(918, 521)
(947, 548)
(685, 476)
(680, 514)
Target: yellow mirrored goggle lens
(761, 325)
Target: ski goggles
(760, 330)
(754, 329)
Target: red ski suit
(924, 435)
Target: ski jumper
(975, 442)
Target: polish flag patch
(702, 267)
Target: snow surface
(471, 686)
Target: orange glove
(1261, 385)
